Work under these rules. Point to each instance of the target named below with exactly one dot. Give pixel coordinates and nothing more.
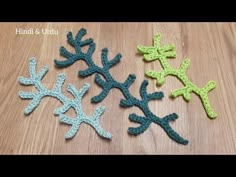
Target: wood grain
(210, 46)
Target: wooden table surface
(211, 48)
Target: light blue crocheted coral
(36, 80)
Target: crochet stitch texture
(156, 52)
(108, 82)
(36, 80)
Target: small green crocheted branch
(157, 52)
(36, 80)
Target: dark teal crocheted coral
(109, 82)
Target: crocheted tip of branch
(149, 117)
(105, 80)
(156, 52)
(36, 97)
(162, 53)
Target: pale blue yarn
(56, 92)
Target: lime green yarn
(157, 52)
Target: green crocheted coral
(105, 80)
(157, 52)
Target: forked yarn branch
(108, 82)
(36, 97)
(156, 52)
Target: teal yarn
(36, 80)
(108, 82)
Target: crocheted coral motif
(157, 52)
(36, 80)
(109, 82)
